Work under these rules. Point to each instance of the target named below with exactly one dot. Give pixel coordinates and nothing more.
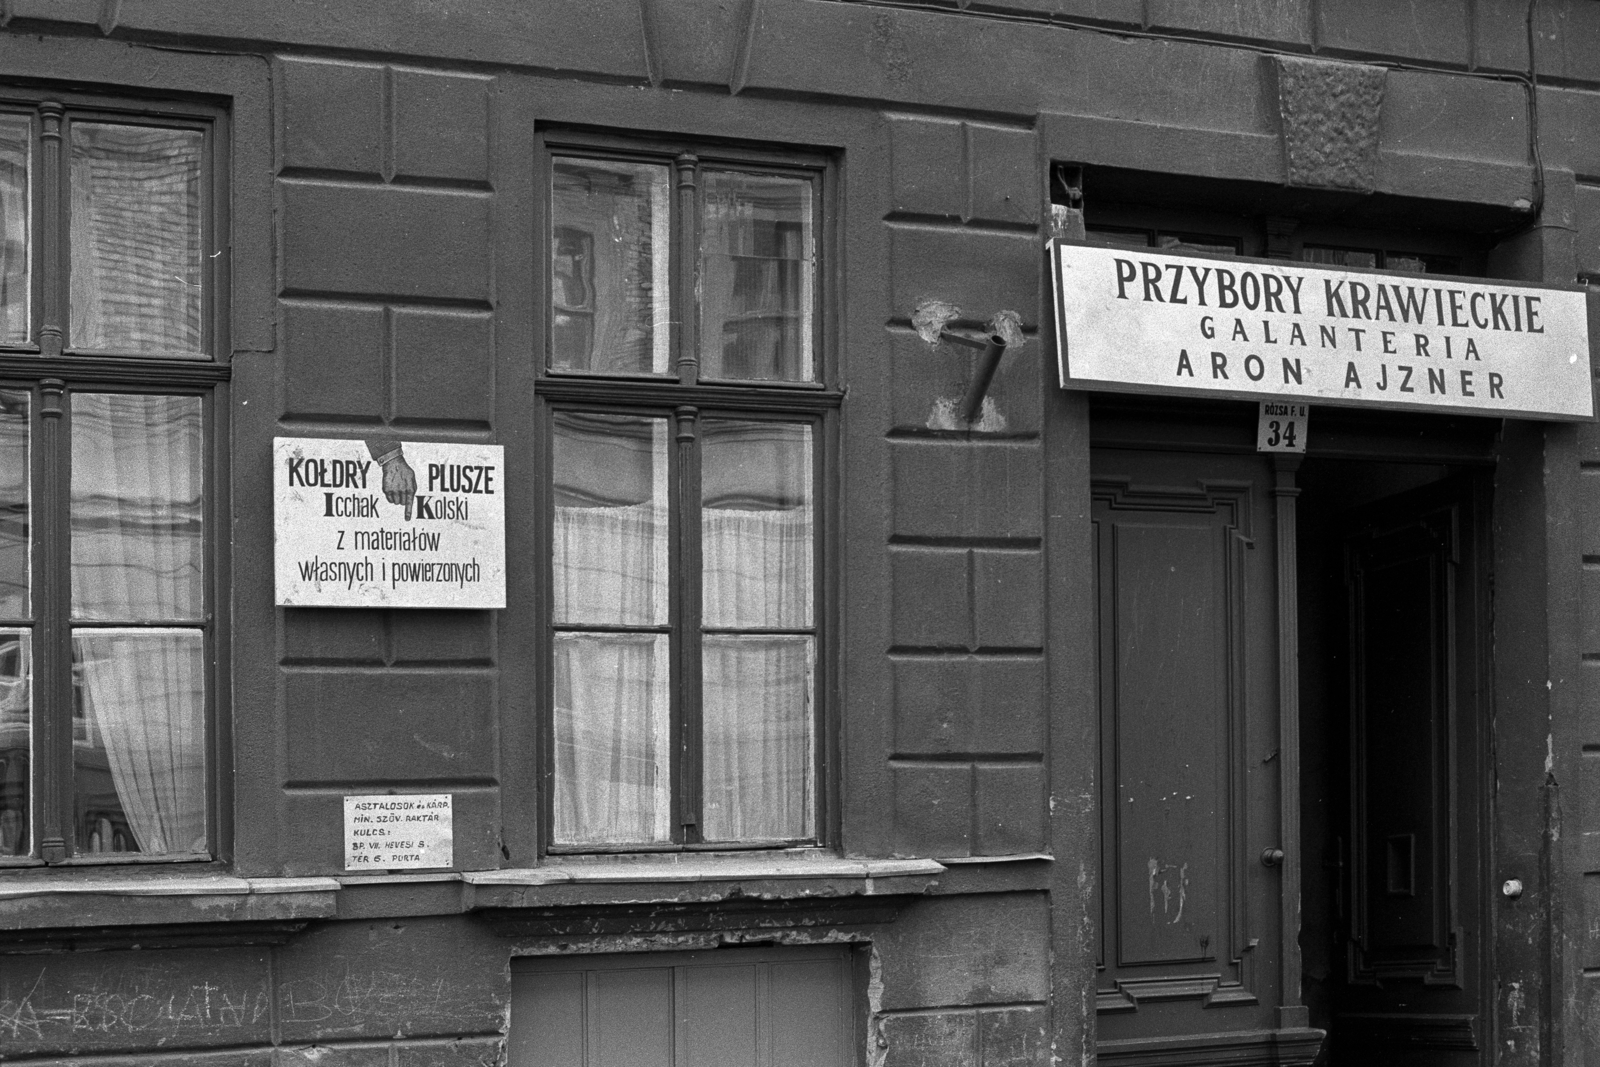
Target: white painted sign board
(1281, 426)
(388, 523)
(1136, 321)
(398, 833)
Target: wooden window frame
(1449, 254)
(51, 367)
(679, 397)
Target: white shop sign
(397, 833)
(389, 523)
(1136, 321)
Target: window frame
(1465, 253)
(208, 227)
(666, 396)
(51, 368)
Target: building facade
(838, 711)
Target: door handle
(1271, 857)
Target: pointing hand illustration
(399, 480)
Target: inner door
(1409, 964)
(1190, 766)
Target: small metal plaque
(1281, 426)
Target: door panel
(1189, 787)
(1413, 952)
(1171, 815)
(1400, 740)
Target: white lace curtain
(136, 259)
(612, 695)
(16, 138)
(144, 692)
(137, 557)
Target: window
(1165, 241)
(108, 642)
(686, 422)
(1231, 245)
(1387, 259)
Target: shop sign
(398, 833)
(389, 523)
(1136, 321)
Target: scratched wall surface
(991, 1008)
(965, 560)
(385, 201)
(1585, 797)
(433, 990)
(126, 1002)
(1563, 776)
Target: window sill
(682, 878)
(54, 901)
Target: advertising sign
(398, 833)
(1138, 321)
(389, 523)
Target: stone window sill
(219, 885)
(104, 911)
(54, 903)
(677, 878)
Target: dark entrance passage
(1395, 723)
(1242, 599)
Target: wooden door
(1413, 947)
(1191, 919)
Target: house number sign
(1136, 321)
(1281, 426)
(388, 523)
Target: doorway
(1394, 730)
(1345, 594)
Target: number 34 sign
(1281, 426)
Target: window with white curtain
(108, 261)
(686, 412)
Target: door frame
(1170, 424)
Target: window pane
(135, 224)
(14, 482)
(757, 275)
(1198, 242)
(609, 257)
(16, 275)
(16, 741)
(137, 512)
(758, 737)
(138, 741)
(612, 740)
(1341, 257)
(610, 544)
(756, 524)
(1108, 235)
